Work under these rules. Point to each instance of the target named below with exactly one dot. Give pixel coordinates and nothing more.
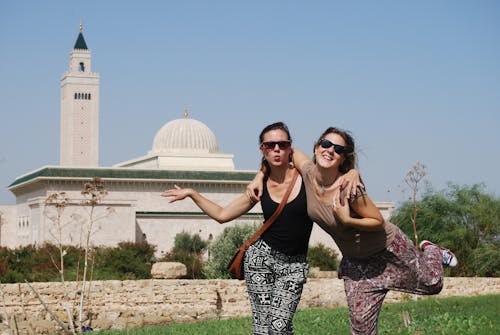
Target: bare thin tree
(56, 204)
(57, 201)
(413, 179)
(93, 193)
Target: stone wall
(127, 304)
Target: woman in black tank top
(275, 265)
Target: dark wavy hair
(264, 165)
(350, 154)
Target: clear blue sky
(414, 81)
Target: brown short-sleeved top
(353, 243)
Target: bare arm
(235, 209)
(371, 218)
(299, 159)
(256, 187)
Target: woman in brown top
(377, 255)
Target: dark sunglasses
(339, 149)
(272, 144)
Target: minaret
(79, 142)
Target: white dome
(184, 135)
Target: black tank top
(291, 231)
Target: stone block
(168, 270)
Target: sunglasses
(272, 144)
(339, 149)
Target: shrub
(222, 249)
(126, 261)
(38, 263)
(30, 263)
(191, 243)
(188, 250)
(324, 258)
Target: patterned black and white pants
(274, 283)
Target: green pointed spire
(80, 41)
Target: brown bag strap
(277, 212)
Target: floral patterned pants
(401, 267)
(274, 284)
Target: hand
(177, 193)
(349, 183)
(253, 194)
(341, 209)
(255, 188)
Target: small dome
(185, 135)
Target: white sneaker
(449, 258)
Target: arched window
(76, 96)
(89, 96)
(81, 68)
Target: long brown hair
(350, 153)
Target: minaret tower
(79, 109)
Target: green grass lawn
(456, 315)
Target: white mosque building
(184, 152)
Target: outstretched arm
(235, 209)
(370, 217)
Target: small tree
(222, 249)
(57, 201)
(56, 204)
(413, 179)
(93, 193)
